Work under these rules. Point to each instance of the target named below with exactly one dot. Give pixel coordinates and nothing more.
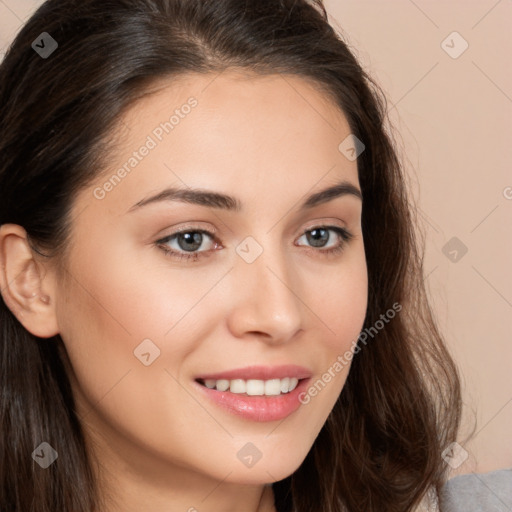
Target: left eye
(191, 239)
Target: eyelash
(345, 235)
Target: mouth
(253, 387)
(255, 399)
(257, 380)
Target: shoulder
(484, 492)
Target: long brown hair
(380, 448)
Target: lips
(256, 408)
(259, 373)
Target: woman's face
(141, 324)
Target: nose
(265, 298)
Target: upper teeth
(254, 387)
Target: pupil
(316, 239)
(195, 239)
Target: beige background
(453, 114)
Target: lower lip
(257, 408)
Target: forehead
(228, 131)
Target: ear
(26, 289)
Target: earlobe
(26, 289)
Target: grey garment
(478, 492)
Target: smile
(253, 387)
(260, 406)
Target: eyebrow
(222, 201)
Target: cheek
(114, 304)
(124, 300)
(340, 310)
(109, 305)
(104, 316)
(343, 305)
(341, 301)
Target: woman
(286, 360)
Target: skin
(269, 141)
